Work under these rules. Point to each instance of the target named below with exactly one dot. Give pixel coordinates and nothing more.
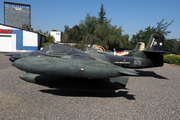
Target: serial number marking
(122, 62)
(137, 62)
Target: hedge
(172, 59)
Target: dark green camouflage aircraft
(61, 66)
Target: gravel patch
(155, 94)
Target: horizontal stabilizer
(120, 80)
(154, 51)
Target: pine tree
(102, 13)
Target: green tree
(178, 46)
(171, 45)
(102, 13)
(74, 34)
(90, 23)
(125, 41)
(162, 27)
(116, 39)
(65, 35)
(66, 28)
(53, 30)
(27, 27)
(41, 32)
(97, 31)
(49, 40)
(82, 29)
(65, 38)
(144, 35)
(89, 39)
(46, 33)
(102, 33)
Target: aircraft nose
(18, 63)
(15, 57)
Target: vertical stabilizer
(139, 46)
(155, 49)
(156, 43)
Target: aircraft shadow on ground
(75, 93)
(149, 74)
(82, 87)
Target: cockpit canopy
(61, 49)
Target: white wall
(56, 35)
(30, 38)
(8, 43)
(13, 37)
(13, 42)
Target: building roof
(21, 29)
(17, 3)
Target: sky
(132, 15)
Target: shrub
(49, 40)
(172, 59)
(79, 46)
(46, 44)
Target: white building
(56, 35)
(14, 39)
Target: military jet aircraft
(57, 63)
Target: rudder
(156, 43)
